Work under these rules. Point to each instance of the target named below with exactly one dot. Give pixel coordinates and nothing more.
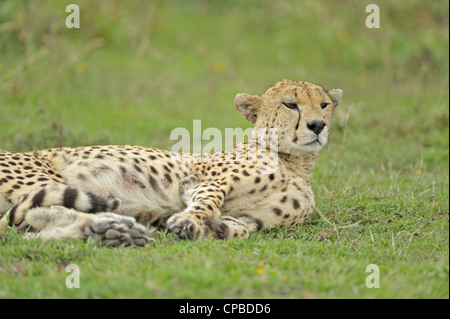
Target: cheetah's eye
(324, 105)
(291, 106)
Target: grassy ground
(133, 72)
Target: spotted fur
(256, 185)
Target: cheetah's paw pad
(118, 231)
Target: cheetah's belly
(139, 193)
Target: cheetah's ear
(248, 105)
(335, 96)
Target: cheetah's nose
(316, 126)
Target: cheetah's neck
(300, 166)
(297, 165)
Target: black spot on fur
(154, 171)
(137, 168)
(154, 183)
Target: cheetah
(119, 194)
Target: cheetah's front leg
(203, 201)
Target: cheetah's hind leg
(61, 223)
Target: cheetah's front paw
(185, 227)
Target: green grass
(136, 71)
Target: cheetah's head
(300, 111)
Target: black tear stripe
(298, 121)
(70, 196)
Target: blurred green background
(136, 70)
